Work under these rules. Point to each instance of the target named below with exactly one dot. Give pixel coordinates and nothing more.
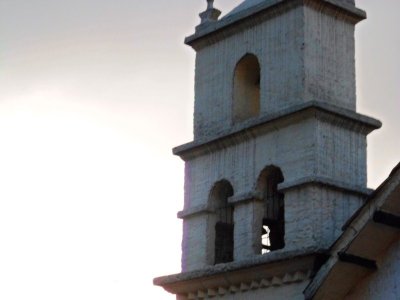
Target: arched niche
(246, 88)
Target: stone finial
(211, 14)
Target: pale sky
(94, 94)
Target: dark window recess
(223, 242)
(275, 235)
(273, 225)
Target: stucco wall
(277, 45)
(314, 214)
(341, 154)
(383, 284)
(329, 60)
(241, 164)
(308, 148)
(304, 54)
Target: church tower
(278, 161)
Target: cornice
(246, 286)
(262, 271)
(231, 24)
(252, 128)
(326, 182)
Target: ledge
(204, 208)
(244, 198)
(255, 127)
(196, 210)
(262, 271)
(206, 35)
(283, 187)
(333, 184)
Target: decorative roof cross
(211, 14)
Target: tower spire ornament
(211, 14)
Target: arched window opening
(223, 245)
(246, 88)
(273, 223)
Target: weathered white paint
(314, 214)
(277, 44)
(306, 55)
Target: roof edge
(382, 200)
(268, 9)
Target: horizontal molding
(234, 23)
(193, 211)
(244, 198)
(333, 184)
(207, 209)
(283, 187)
(261, 271)
(256, 127)
(246, 286)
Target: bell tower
(278, 161)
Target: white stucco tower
(278, 161)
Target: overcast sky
(94, 94)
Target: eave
(366, 237)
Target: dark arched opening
(273, 223)
(223, 210)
